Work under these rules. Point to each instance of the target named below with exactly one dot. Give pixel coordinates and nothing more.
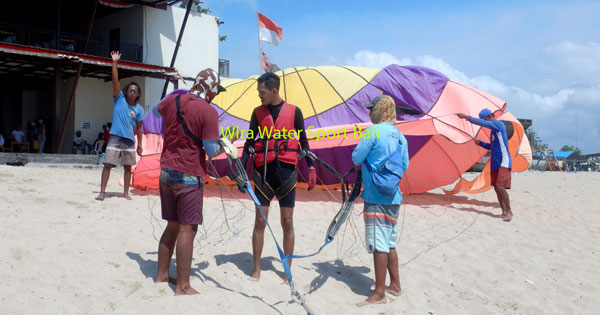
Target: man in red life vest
(275, 160)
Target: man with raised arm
(127, 119)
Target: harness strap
(241, 178)
(183, 124)
(286, 185)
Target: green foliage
(535, 141)
(202, 10)
(199, 8)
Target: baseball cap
(373, 102)
(209, 81)
(484, 113)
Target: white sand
(64, 252)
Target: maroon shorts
(180, 197)
(501, 177)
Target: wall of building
(65, 89)
(94, 104)
(157, 31)
(199, 47)
(129, 21)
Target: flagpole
(259, 47)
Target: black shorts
(276, 175)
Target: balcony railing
(37, 37)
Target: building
(593, 157)
(43, 47)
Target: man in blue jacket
(501, 162)
(381, 210)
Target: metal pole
(259, 47)
(187, 13)
(57, 45)
(79, 67)
(56, 100)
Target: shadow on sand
(354, 277)
(243, 261)
(148, 268)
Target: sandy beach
(62, 252)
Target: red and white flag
(269, 31)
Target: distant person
(31, 128)
(40, 134)
(106, 130)
(18, 134)
(1, 140)
(501, 163)
(127, 118)
(98, 139)
(382, 205)
(79, 143)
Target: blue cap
(484, 113)
(373, 102)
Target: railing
(37, 37)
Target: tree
(199, 8)
(535, 141)
(202, 10)
(571, 148)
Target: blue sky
(541, 57)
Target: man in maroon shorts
(191, 132)
(501, 162)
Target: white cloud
(367, 58)
(580, 59)
(441, 66)
(566, 114)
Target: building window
(224, 68)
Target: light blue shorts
(381, 228)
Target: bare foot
(168, 279)
(127, 196)
(255, 275)
(188, 291)
(393, 290)
(373, 299)
(100, 196)
(508, 217)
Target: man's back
(180, 152)
(498, 142)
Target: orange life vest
(284, 148)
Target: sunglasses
(132, 91)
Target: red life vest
(287, 147)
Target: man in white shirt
(18, 134)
